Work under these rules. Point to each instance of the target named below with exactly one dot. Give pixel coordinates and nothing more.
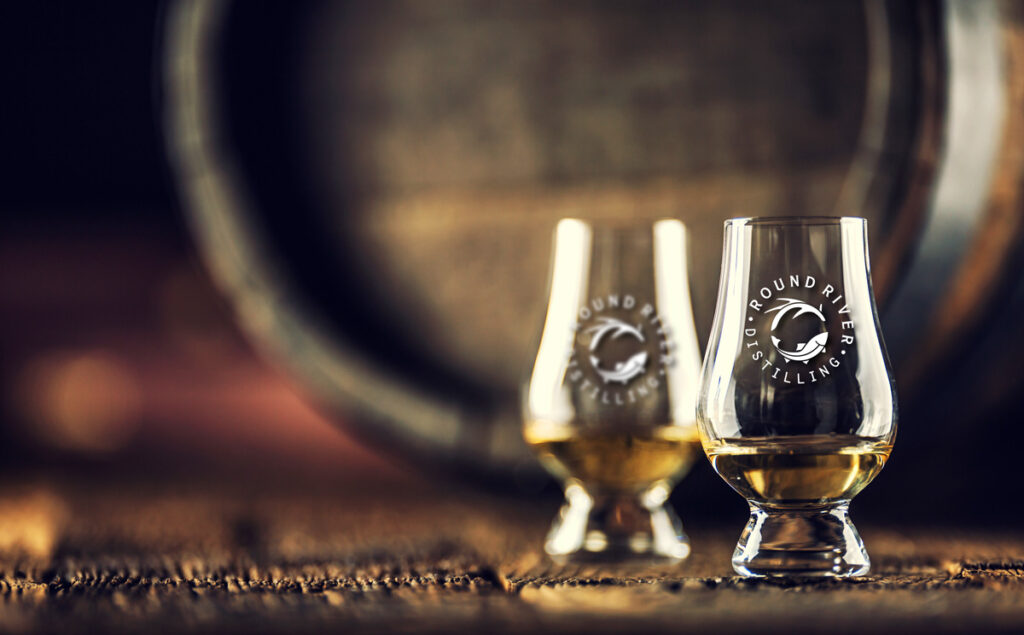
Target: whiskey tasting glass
(797, 409)
(609, 407)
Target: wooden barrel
(374, 183)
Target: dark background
(80, 133)
(119, 358)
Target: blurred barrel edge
(939, 155)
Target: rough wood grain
(146, 560)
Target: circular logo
(798, 329)
(791, 309)
(623, 371)
(620, 351)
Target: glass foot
(817, 542)
(621, 528)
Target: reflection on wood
(223, 563)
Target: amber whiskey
(615, 460)
(799, 470)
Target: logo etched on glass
(621, 350)
(805, 351)
(624, 371)
(793, 347)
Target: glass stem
(616, 526)
(819, 541)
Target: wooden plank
(422, 561)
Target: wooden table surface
(163, 559)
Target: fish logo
(805, 351)
(626, 371)
(617, 328)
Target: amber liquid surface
(615, 460)
(799, 470)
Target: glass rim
(782, 221)
(616, 223)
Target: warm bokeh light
(84, 401)
(30, 523)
